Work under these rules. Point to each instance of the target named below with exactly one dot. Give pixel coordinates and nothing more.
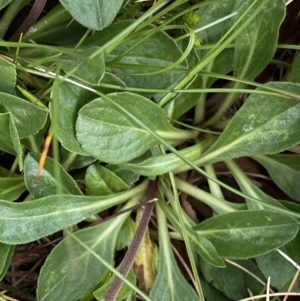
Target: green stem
(226, 104)
(214, 187)
(220, 206)
(9, 14)
(200, 109)
(181, 135)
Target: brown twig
(33, 15)
(128, 260)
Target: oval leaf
(155, 53)
(94, 14)
(48, 183)
(110, 135)
(22, 111)
(264, 125)
(101, 181)
(245, 234)
(70, 99)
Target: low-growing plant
(127, 128)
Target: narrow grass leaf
(48, 183)
(245, 234)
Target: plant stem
(226, 104)
(128, 260)
(214, 187)
(9, 14)
(218, 205)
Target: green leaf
(91, 71)
(16, 142)
(295, 72)
(93, 14)
(264, 125)
(271, 263)
(256, 45)
(53, 178)
(232, 281)
(205, 249)
(21, 112)
(74, 160)
(210, 13)
(6, 254)
(8, 75)
(107, 133)
(165, 163)
(70, 99)
(69, 262)
(3, 3)
(28, 221)
(184, 101)
(199, 243)
(101, 181)
(35, 142)
(245, 234)
(284, 171)
(126, 175)
(56, 23)
(6, 143)
(155, 53)
(11, 188)
(169, 285)
(211, 293)
(252, 190)
(124, 291)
